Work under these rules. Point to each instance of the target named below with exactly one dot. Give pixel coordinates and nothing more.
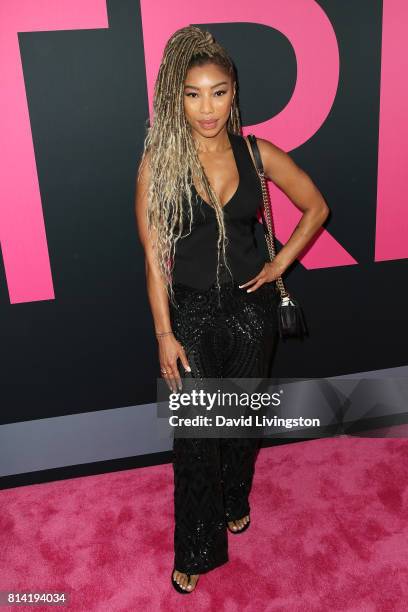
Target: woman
(212, 295)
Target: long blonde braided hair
(173, 158)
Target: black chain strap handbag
(291, 319)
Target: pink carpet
(329, 531)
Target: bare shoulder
(278, 165)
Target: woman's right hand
(169, 351)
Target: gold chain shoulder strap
(266, 211)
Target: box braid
(173, 158)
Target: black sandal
(244, 528)
(180, 589)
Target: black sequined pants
(234, 335)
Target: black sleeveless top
(195, 261)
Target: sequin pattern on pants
(234, 336)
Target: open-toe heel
(244, 528)
(180, 589)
